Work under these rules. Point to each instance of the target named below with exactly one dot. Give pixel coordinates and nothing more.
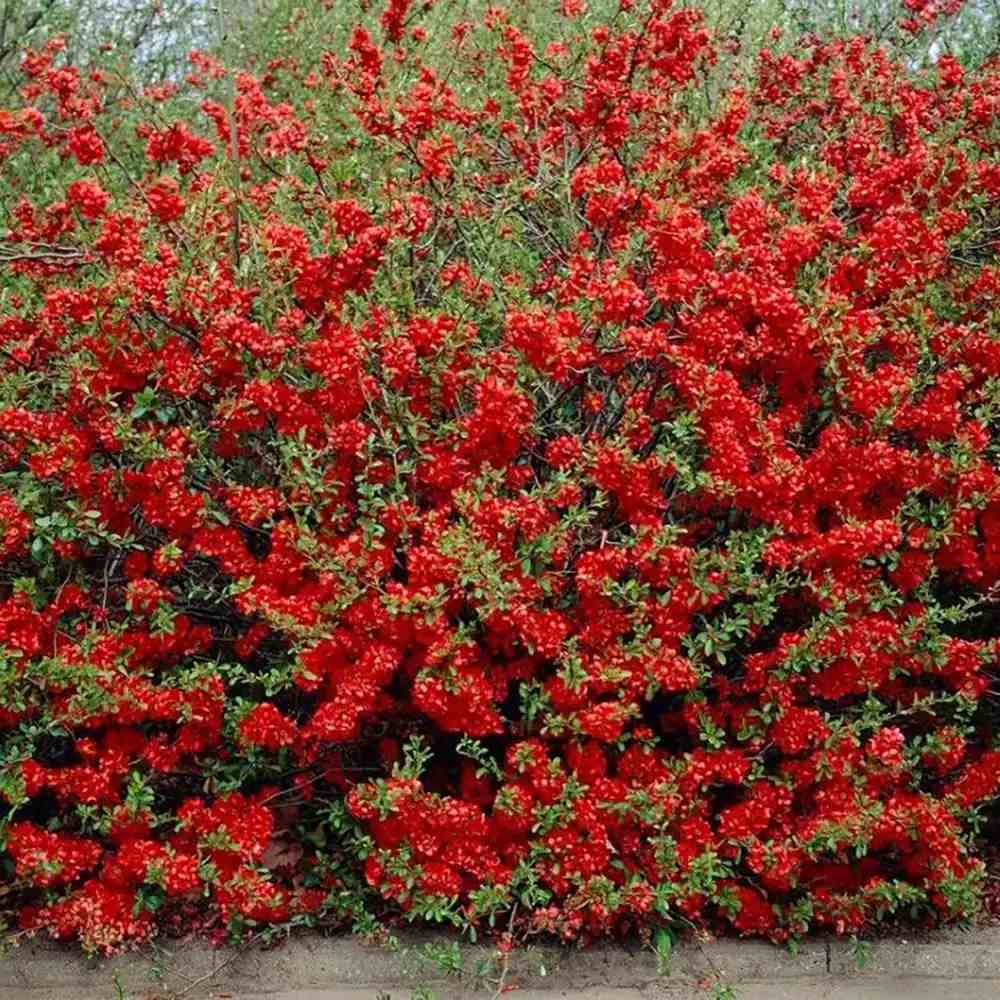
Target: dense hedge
(520, 480)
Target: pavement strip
(945, 965)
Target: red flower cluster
(562, 501)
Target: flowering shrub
(481, 476)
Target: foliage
(519, 472)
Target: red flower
(264, 726)
(86, 145)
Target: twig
(54, 253)
(234, 141)
(211, 975)
(505, 962)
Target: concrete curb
(308, 963)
